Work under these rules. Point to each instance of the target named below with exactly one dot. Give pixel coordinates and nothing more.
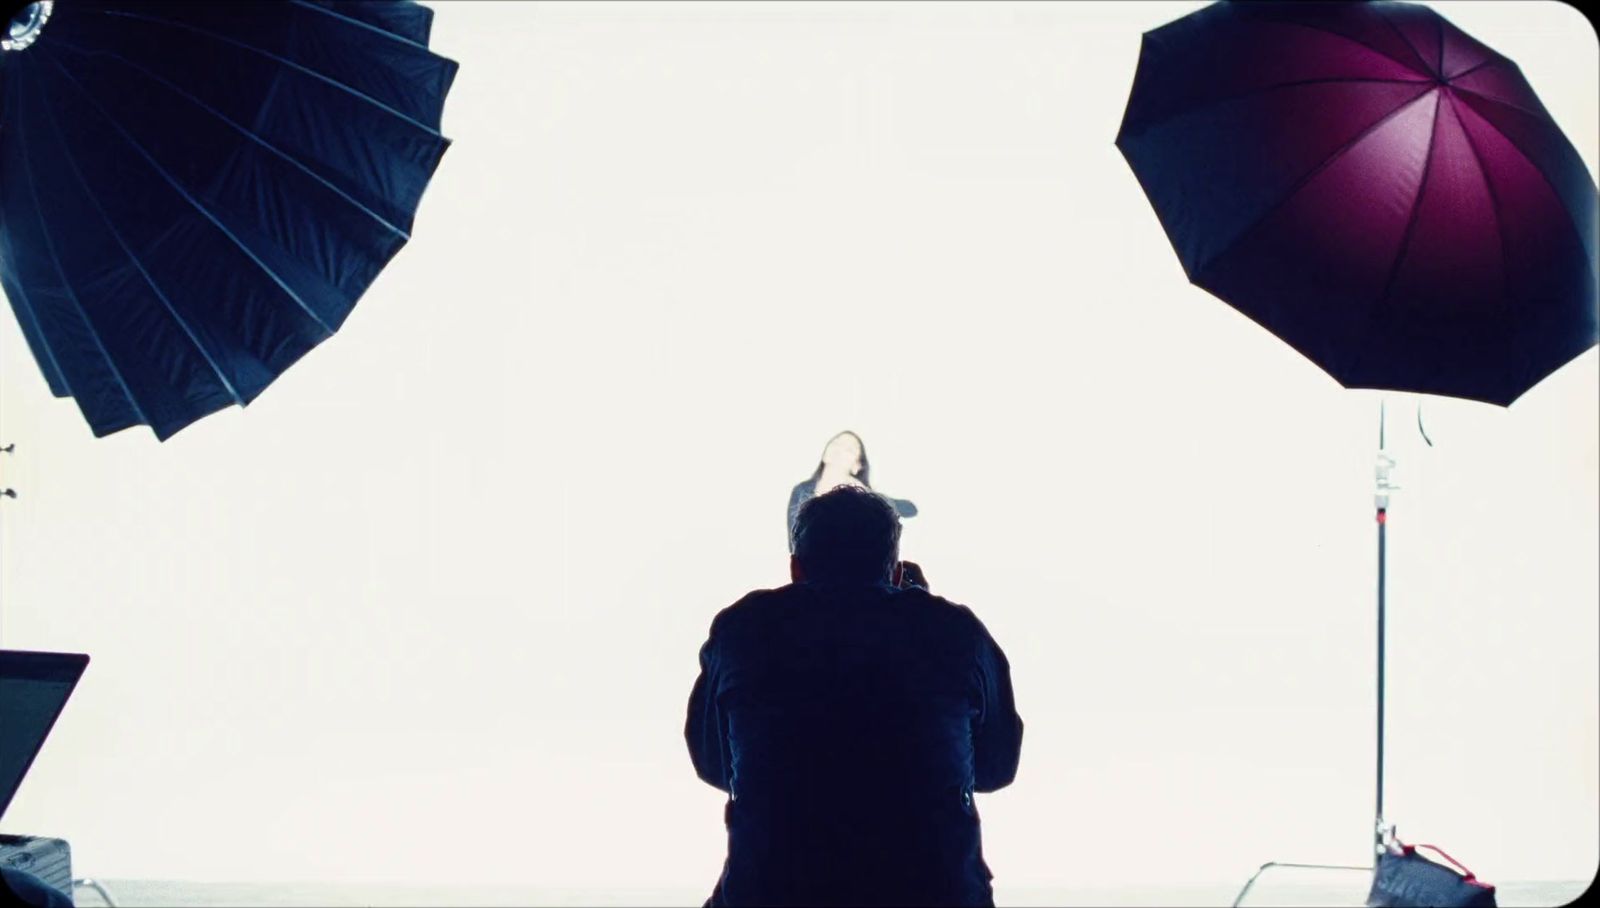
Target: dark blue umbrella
(193, 195)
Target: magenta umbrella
(1372, 185)
(1381, 191)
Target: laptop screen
(33, 689)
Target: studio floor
(180, 894)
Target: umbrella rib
(1518, 107)
(1416, 209)
(1403, 39)
(1536, 168)
(244, 131)
(50, 247)
(1494, 209)
(357, 22)
(1313, 174)
(1406, 63)
(1261, 90)
(1475, 67)
(72, 164)
(195, 203)
(1438, 26)
(26, 314)
(279, 59)
(1380, 310)
(52, 366)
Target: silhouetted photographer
(851, 715)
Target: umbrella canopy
(1372, 185)
(195, 194)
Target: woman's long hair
(864, 474)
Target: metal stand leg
(1271, 864)
(87, 883)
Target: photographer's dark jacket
(851, 728)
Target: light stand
(1381, 831)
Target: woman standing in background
(844, 463)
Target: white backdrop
(433, 602)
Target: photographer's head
(848, 536)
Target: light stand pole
(1385, 464)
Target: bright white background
(429, 609)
